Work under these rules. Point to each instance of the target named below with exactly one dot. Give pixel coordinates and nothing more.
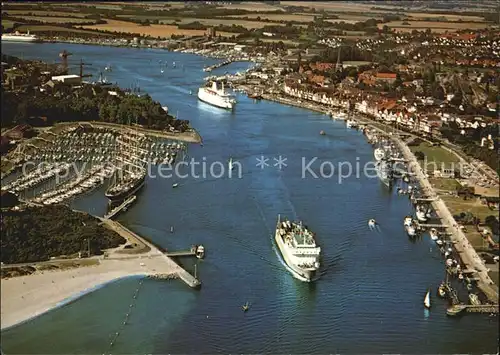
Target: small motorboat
(322, 132)
(420, 213)
(245, 307)
(372, 223)
(427, 300)
(434, 234)
(175, 185)
(200, 252)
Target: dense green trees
(87, 103)
(38, 233)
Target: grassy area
(458, 205)
(18, 13)
(445, 184)
(7, 24)
(436, 157)
(217, 21)
(435, 26)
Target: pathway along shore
(467, 252)
(26, 297)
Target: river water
(369, 298)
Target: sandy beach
(25, 297)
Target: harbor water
(369, 298)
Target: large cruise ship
(19, 37)
(217, 96)
(298, 247)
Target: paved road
(467, 252)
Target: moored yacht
(350, 123)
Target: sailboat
(245, 307)
(427, 300)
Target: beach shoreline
(24, 298)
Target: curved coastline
(72, 299)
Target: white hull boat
(298, 247)
(216, 96)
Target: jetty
(217, 65)
(463, 247)
(483, 308)
(185, 276)
(173, 254)
(123, 206)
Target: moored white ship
(384, 172)
(298, 248)
(216, 96)
(19, 37)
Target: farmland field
(208, 22)
(420, 15)
(18, 13)
(152, 30)
(434, 26)
(334, 6)
(253, 6)
(277, 17)
(215, 22)
(7, 24)
(43, 28)
(65, 20)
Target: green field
(436, 157)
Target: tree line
(39, 233)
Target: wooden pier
(117, 209)
(174, 254)
(189, 279)
(483, 308)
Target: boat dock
(416, 200)
(217, 65)
(484, 308)
(123, 206)
(174, 254)
(185, 276)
